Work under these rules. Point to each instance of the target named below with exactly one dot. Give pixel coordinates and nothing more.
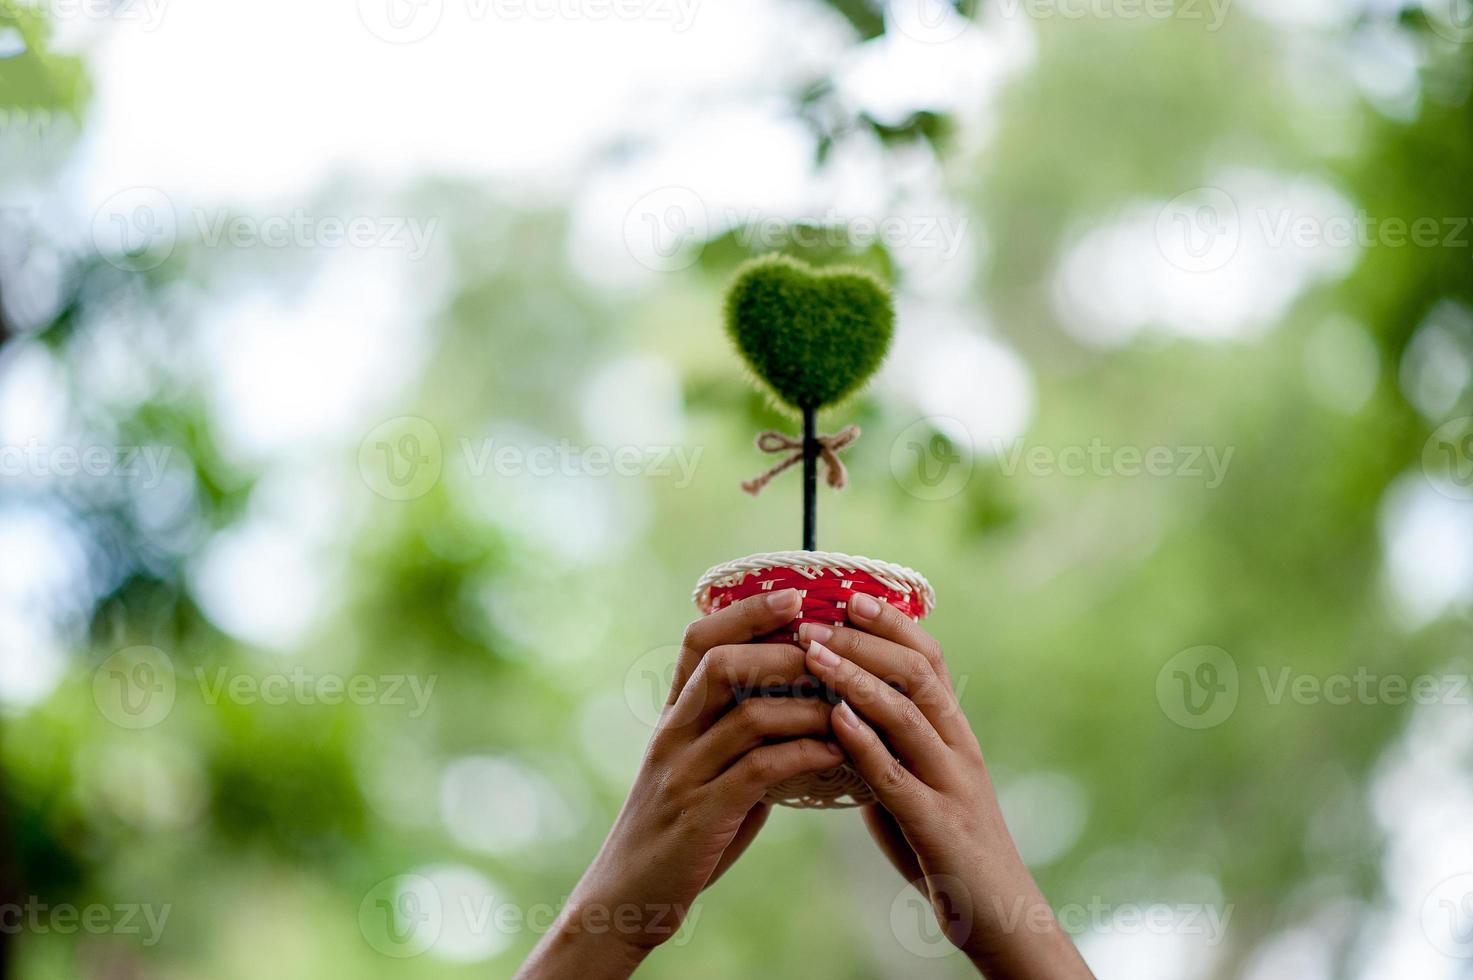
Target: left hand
(938, 819)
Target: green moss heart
(814, 336)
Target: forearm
(570, 952)
(1016, 936)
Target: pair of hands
(696, 804)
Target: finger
(754, 722)
(729, 673)
(762, 768)
(901, 667)
(904, 725)
(891, 840)
(885, 621)
(739, 622)
(896, 787)
(746, 833)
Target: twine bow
(828, 451)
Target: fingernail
(815, 631)
(822, 655)
(786, 599)
(846, 714)
(864, 606)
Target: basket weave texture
(825, 580)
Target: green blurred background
(367, 419)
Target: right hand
(696, 804)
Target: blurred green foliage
(264, 826)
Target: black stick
(810, 480)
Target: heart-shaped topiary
(812, 335)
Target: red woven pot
(825, 580)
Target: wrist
(584, 945)
(1015, 934)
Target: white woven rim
(814, 564)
